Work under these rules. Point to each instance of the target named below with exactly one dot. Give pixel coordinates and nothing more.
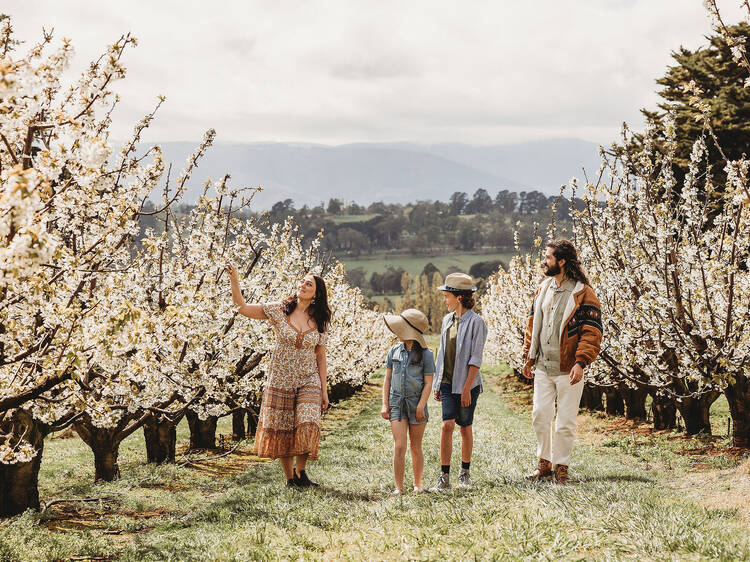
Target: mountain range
(389, 172)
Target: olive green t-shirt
(449, 360)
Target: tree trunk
(19, 482)
(252, 420)
(592, 398)
(738, 396)
(161, 439)
(342, 390)
(695, 413)
(238, 424)
(615, 404)
(635, 402)
(664, 412)
(105, 444)
(202, 432)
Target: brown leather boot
(561, 473)
(543, 470)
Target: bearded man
(563, 336)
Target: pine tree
(716, 78)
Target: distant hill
(544, 165)
(389, 172)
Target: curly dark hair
(319, 309)
(563, 249)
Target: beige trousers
(548, 392)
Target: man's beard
(552, 271)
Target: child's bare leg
(416, 432)
(399, 429)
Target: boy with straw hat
(458, 382)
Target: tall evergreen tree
(712, 71)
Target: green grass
(719, 413)
(341, 219)
(415, 264)
(616, 508)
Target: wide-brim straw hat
(458, 283)
(411, 324)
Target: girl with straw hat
(410, 367)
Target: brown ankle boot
(561, 473)
(543, 470)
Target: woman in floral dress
(295, 391)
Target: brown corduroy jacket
(581, 332)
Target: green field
(633, 495)
(342, 219)
(415, 264)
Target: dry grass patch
(221, 462)
(340, 413)
(725, 489)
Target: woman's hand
(420, 411)
(385, 412)
(436, 394)
(324, 401)
(232, 271)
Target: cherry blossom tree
(68, 210)
(109, 336)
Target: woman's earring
(313, 301)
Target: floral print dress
(289, 421)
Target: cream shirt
(553, 308)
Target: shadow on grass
(614, 477)
(272, 478)
(265, 476)
(347, 495)
(520, 483)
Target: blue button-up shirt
(407, 380)
(472, 333)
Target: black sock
(465, 465)
(446, 468)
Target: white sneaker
(443, 483)
(464, 480)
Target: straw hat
(411, 324)
(458, 283)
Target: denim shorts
(452, 409)
(406, 408)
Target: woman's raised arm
(250, 310)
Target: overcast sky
(490, 72)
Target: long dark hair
(319, 310)
(417, 348)
(563, 249)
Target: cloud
(369, 67)
(488, 71)
(240, 46)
